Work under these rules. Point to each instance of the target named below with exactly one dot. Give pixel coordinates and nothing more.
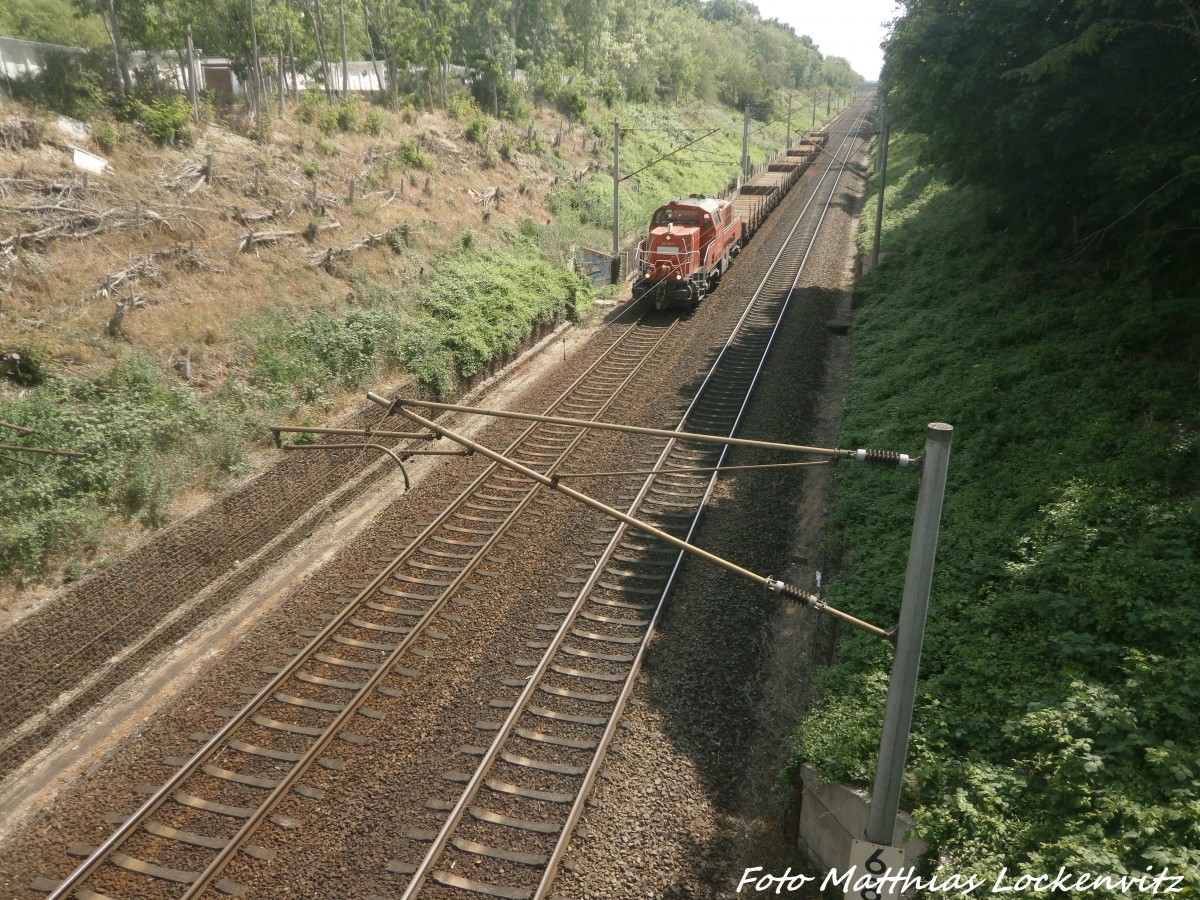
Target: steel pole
(616, 250)
(902, 689)
(746, 143)
(882, 158)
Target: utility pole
(616, 243)
(789, 128)
(881, 161)
(828, 100)
(814, 122)
(918, 579)
(746, 143)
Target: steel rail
(113, 843)
(573, 815)
(677, 436)
(292, 776)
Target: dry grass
(52, 300)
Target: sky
(849, 28)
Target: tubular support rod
(693, 470)
(608, 426)
(356, 432)
(769, 583)
(380, 447)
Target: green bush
(327, 120)
(462, 106)
(479, 305)
(311, 103)
(374, 122)
(144, 435)
(106, 136)
(165, 121)
(69, 83)
(1057, 675)
(348, 114)
(411, 157)
(508, 146)
(477, 131)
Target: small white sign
(89, 162)
(870, 862)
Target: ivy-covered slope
(1058, 711)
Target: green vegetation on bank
(1059, 699)
(147, 436)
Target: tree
(1082, 116)
(53, 22)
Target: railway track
(512, 823)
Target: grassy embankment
(149, 437)
(1059, 700)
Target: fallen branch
(263, 237)
(325, 258)
(491, 196)
(270, 237)
(78, 222)
(148, 268)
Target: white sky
(849, 28)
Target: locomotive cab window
(677, 217)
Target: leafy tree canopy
(1082, 116)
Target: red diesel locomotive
(691, 243)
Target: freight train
(691, 243)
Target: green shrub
(477, 130)
(374, 122)
(25, 365)
(348, 114)
(137, 426)
(462, 106)
(327, 120)
(311, 102)
(69, 83)
(1057, 648)
(165, 121)
(411, 157)
(508, 146)
(106, 136)
(262, 130)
